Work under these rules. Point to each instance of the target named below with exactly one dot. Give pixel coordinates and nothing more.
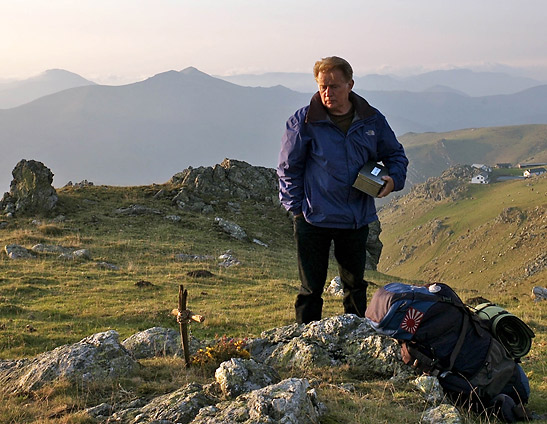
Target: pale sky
(121, 41)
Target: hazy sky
(119, 41)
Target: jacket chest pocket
(362, 146)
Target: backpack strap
(460, 341)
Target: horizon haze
(122, 42)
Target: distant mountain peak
(191, 70)
(61, 75)
(176, 75)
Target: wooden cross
(184, 317)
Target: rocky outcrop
(232, 179)
(93, 359)
(452, 184)
(244, 390)
(291, 401)
(201, 189)
(374, 245)
(180, 406)
(31, 191)
(344, 339)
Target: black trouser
(313, 246)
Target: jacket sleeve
(291, 166)
(392, 154)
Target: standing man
(324, 146)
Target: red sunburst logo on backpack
(412, 320)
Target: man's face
(334, 91)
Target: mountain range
(147, 131)
(16, 93)
(462, 81)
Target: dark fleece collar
(317, 112)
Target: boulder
(430, 387)
(180, 406)
(157, 341)
(442, 414)
(238, 376)
(31, 191)
(14, 251)
(539, 293)
(333, 341)
(232, 229)
(374, 246)
(289, 402)
(201, 188)
(92, 359)
(335, 287)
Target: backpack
(441, 336)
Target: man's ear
(351, 84)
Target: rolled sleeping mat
(510, 330)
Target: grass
(63, 301)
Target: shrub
(224, 349)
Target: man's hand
(388, 188)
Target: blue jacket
(318, 164)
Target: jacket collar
(317, 112)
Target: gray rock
(180, 406)
(442, 414)
(374, 246)
(82, 253)
(77, 254)
(289, 402)
(59, 218)
(106, 265)
(14, 251)
(238, 376)
(232, 179)
(193, 258)
(102, 410)
(137, 210)
(81, 184)
(50, 248)
(333, 341)
(430, 387)
(452, 184)
(539, 293)
(260, 243)
(228, 260)
(173, 218)
(92, 359)
(31, 190)
(157, 341)
(538, 264)
(335, 287)
(232, 229)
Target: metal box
(369, 179)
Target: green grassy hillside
(431, 153)
(490, 237)
(47, 301)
